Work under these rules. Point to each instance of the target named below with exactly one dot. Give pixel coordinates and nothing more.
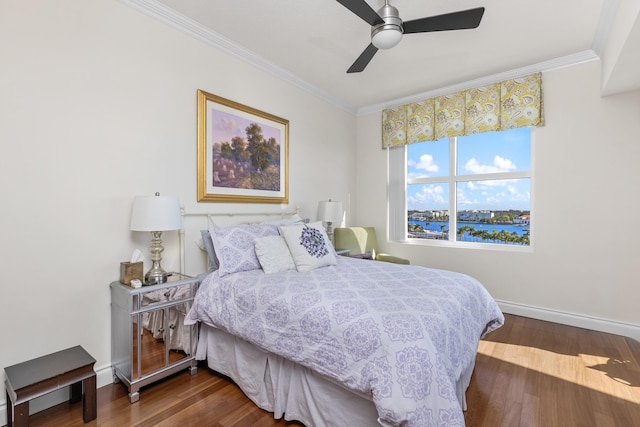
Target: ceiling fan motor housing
(389, 33)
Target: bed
(332, 341)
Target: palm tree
(514, 237)
(416, 228)
(478, 234)
(462, 230)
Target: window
(483, 179)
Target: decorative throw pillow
(207, 242)
(273, 254)
(309, 246)
(234, 246)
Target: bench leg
(20, 415)
(9, 411)
(90, 402)
(76, 392)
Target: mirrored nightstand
(149, 340)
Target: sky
(493, 152)
(226, 126)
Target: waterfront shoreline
(492, 232)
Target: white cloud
(491, 194)
(516, 195)
(426, 163)
(473, 185)
(463, 201)
(500, 164)
(487, 184)
(503, 164)
(429, 195)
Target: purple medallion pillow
(234, 246)
(309, 246)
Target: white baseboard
(104, 376)
(571, 319)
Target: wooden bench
(34, 378)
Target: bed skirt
(283, 387)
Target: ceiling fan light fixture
(388, 34)
(386, 38)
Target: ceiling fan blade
(462, 20)
(363, 10)
(363, 60)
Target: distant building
(475, 215)
(523, 220)
(419, 216)
(428, 215)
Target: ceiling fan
(387, 28)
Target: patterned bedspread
(403, 334)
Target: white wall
(584, 269)
(97, 105)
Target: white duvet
(405, 335)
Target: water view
(468, 231)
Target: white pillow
(309, 246)
(234, 246)
(273, 254)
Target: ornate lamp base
(156, 274)
(155, 277)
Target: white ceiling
(313, 42)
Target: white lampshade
(155, 213)
(330, 211)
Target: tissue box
(130, 271)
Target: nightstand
(149, 340)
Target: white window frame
(397, 198)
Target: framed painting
(243, 153)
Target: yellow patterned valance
(505, 105)
(521, 102)
(394, 126)
(450, 112)
(420, 123)
(483, 109)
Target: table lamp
(155, 214)
(330, 212)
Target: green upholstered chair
(360, 241)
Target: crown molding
(553, 64)
(165, 14)
(605, 24)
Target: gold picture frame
(243, 153)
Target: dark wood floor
(528, 373)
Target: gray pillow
(211, 253)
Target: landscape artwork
(242, 153)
